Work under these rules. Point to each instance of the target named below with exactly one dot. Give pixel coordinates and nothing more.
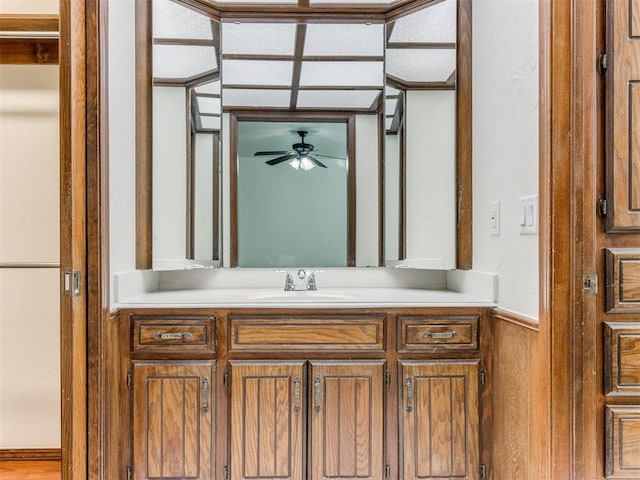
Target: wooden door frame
(570, 149)
(566, 40)
(83, 232)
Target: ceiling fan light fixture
(306, 163)
(295, 163)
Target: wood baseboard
(30, 454)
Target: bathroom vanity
(330, 386)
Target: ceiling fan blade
(281, 159)
(316, 161)
(271, 153)
(327, 156)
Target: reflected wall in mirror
(309, 76)
(420, 140)
(403, 67)
(182, 152)
(291, 194)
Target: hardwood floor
(30, 470)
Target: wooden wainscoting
(516, 448)
(30, 464)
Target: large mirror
(223, 88)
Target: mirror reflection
(186, 105)
(395, 81)
(292, 203)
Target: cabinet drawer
(173, 334)
(438, 333)
(354, 332)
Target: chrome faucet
(311, 281)
(308, 277)
(289, 284)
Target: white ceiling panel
(182, 61)
(256, 98)
(336, 98)
(210, 123)
(421, 65)
(342, 74)
(335, 39)
(211, 87)
(256, 72)
(432, 24)
(258, 38)
(349, 2)
(171, 20)
(208, 105)
(390, 106)
(256, 2)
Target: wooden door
(623, 115)
(267, 414)
(173, 420)
(347, 420)
(439, 420)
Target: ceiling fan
(300, 155)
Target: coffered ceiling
(289, 55)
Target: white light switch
(529, 215)
(494, 218)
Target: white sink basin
(327, 297)
(301, 296)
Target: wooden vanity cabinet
(173, 411)
(173, 378)
(308, 418)
(313, 395)
(439, 425)
(273, 402)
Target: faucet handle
(289, 283)
(311, 280)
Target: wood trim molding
(75, 34)
(144, 173)
(29, 23)
(464, 140)
(516, 319)
(30, 454)
(27, 45)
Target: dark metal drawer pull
(174, 336)
(440, 335)
(296, 394)
(409, 383)
(205, 394)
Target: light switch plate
(528, 215)
(494, 218)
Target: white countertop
(366, 297)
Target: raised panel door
(173, 420)
(267, 415)
(439, 420)
(623, 114)
(346, 420)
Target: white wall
(430, 179)
(367, 203)
(29, 232)
(505, 145)
(169, 176)
(392, 197)
(122, 174)
(29, 6)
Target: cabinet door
(347, 421)
(267, 420)
(623, 115)
(173, 420)
(439, 420)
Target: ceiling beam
(301, 35)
